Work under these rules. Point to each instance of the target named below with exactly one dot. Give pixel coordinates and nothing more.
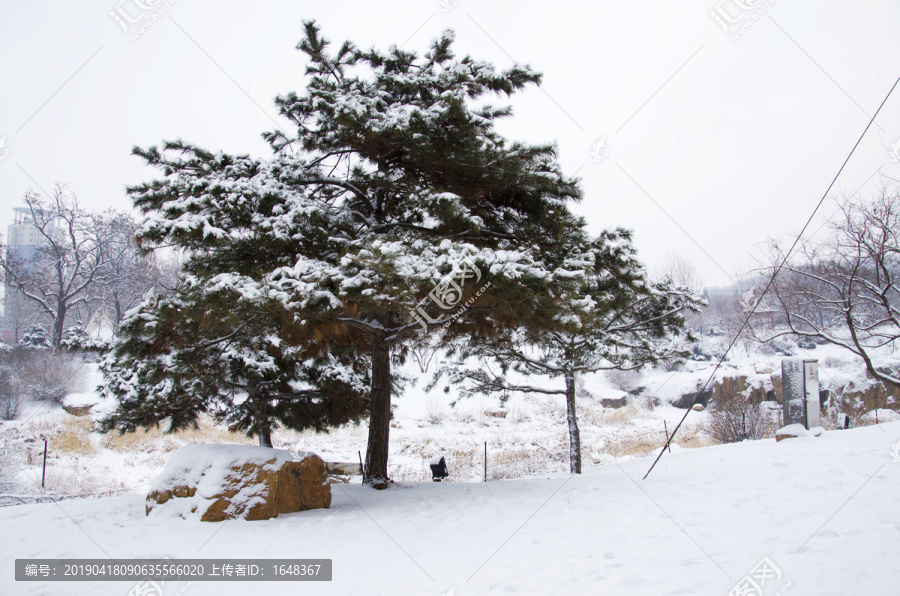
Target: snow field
(820, 508)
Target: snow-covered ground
(819, 507)
(822, 509)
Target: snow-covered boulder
(78, 410)
(79, 404)
(797, 430)
(613, 398)
(219, 482)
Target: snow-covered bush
(471, 410)
(10, 399)
(77, 339)
(35, 337)
(581, 391)
(672, 365)
(624, 380)
(786, 347)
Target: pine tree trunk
(380, 417)
(261, 414)
(265, 436)
(574, 434)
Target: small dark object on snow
(438, 469)
(846, 421)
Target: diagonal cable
(219, 529)
(66, 513)
(225, 72)
(659, 88)
(416, 32)
(849, 198)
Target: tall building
(23, 241)
(23, 236)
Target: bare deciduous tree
(128, 273)
(681, 271)
(19, 313)
(424, 350)
(843, 288)
(69, 262)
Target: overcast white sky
(715, 144)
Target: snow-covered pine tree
(613, 319)
(77, 339)
(202, 349)
(394, 182)
(35, 337)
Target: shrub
(9, 471)
(10, 398)
(737, 419)
(10, 405)
(434, 407)
(76, 339)
(35, 337)
(624, 380)
(44, 376)
(518, 411)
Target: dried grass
(596, 415)
(155, 440)
(74, 437)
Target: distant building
(24, 237)
(23, 241)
